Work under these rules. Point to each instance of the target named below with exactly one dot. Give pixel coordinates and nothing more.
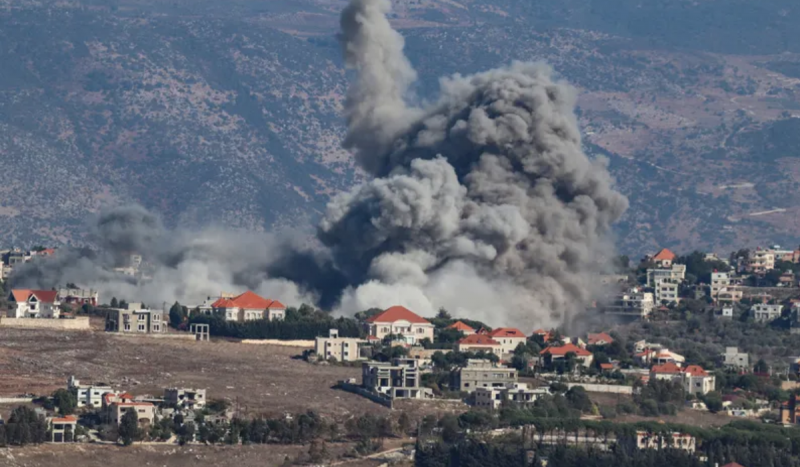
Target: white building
(685, 442)
(764, 312)
(719, 282)
(732, 358)
(665, 282)
(399, 320)
(509, 338)
(342, 349)
(89, 395)
(694, 378)
(25, 303)
(762, 261)
(249, 306)
(727, 312)
(634, 302)
(185, 398)
(518, 394)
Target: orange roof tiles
(248, 300)
(565, 349)
(696, 370)
(45, 296)
(667, 368)
(461, 327)
(507, 332)
(397, 313)
(478, 339)
(67, 419)
(600, 337)
(664, 254)
(607, 366)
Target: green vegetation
(129, 428)
(23, 427)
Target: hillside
(228, 114)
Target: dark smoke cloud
(482, 202)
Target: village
(622, 370)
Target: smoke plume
(481, 202)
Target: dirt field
(260, 378)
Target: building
(727, 312)
(634, 302)
(185, 398)
(659, 356)
(399, 379)
(551, 354)
(682, 441)
(460, 326)
(665, 282)
(761, 261)
(88, 395)
(693, 378)
(79, 296)
(730, 294)
(480, 342)
(26, 303)
(732, 358)
(481, 374)
(509, 338)
(664, 258)
(667, 291)
(248, 306)
(399, 320)
(145, 412)
(790, 411)
(764, 312)
(62, 429)
(342, 349)
(545, 336)
(134, 318)
(719, 281)
(599, 339)
(511, 394)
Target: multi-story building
(665, 282)
(480, 343)
(185, 398)
(145, 412)
(397, 321)
(399, 379)
(79, 296)
(732, 358)
(764, 312)
(719, 281)
(62, 429)
(664, 258)
(481, 374)
(634, 302)
(694, 378)
(512, 394)
(762, 260)
(134, 318)
(25, 303)
(342, 349)
(730, 294)
(88, 395)
(509, 338)
(249, 306)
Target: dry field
(259, 378)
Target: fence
(80, 323)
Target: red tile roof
(664, 254)
(606, 366)
(276, 305)
(397, 313)
(565, 349)
(44, 296)
(67, 419)
(595, 339)
(667, 368)
(507, 332)
(696, 370)
(133, 404)
(248, 300)
(545, 335)
(461, 327)
(478, 339)
(733, 464)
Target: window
(156, 317)
(127, 327)
(142, 317)
(156, 328)
(141, 327)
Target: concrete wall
(297, 343)
(158, 335)
(80, 323)
(606, 388)
(378, 398)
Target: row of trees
(24, 426)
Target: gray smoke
(482, 202)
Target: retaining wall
(178, 336)
(383, 400)
(606, 388)
(296, 343)
(80, 323)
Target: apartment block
(481, 374)
(134, 318)
(343, 349)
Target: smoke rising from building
(481, 202)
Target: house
(145, 412)
(599, 339)
(730, 294)
(764, 312)
(727, 312)
(481, 374)
(694, 378)
(399, 320)
(62, 429)
(761, 260)
(682, 441)
(26, 303)
(545, 336)
(664, 258)
(551, 354)
(135, 318)
(511, 394)
(342, 349)
(732, 358)
(78, 296)
(399, 379)
(480, 342)
(634, 302)
(790, 411)
(659, 356)
(719, 281)
(88, 395)
(460, 326)
(185, 398)
(509, 338)
(249, 306)
(665, 282)
(787, 279)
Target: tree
(713, 402)
(114, 303)
(404, 423)
(578, 399)
(761, 367)
(177, 314)
(129, 427)
(186, 433)
(443, 314)
(65, 401)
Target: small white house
(763, 312)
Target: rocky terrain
(228, 113)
